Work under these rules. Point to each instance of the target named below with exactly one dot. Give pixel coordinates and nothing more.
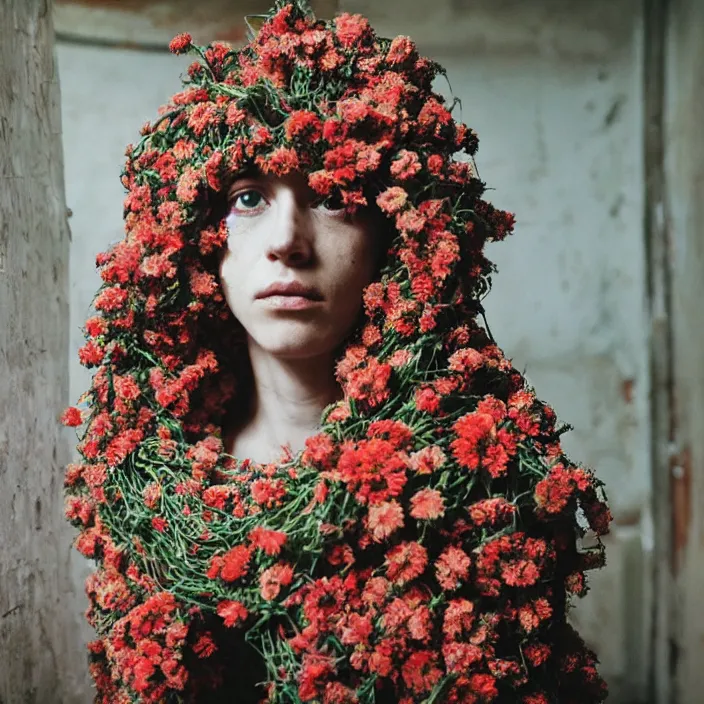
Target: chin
(294, 345)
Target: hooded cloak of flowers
(425, 544)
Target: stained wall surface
(554, 91)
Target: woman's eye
(245, 201)
(332, 205)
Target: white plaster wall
(555, 97)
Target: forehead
(295, 180)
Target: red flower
(395, 431)
(471, 429)
(322, 182)
(494, 511)
(427, 400)
(126, 387)
(324, 602)
(484, 686)
(420, 672)
(151, 494)
(371, 335)
(334, 131)
(353, 110)
(433, 117)
(466, 360)
(270, 541)
(187, 186)
(520, 573)
(452, 567)
(316, 669)
(385, 519)
(273, 578)
(495, 460)
(72, 417)
(553, 493)
(401, 50)
(530, 615)
(458, 619)
(337, 693)
(110, 299)
(373, 470)
(234, 115)
(351, 30)
(235, 563)
(303, 124)
(202, 116)
(435, 164)
(392, 199)
(427, 460)
(427, 504)
(159, 523)
(268, 492)
(537, 654)
(405, 562)
(370, 384)
(233, 612)
(212, 170)
(181, 43)
(423, 287)
(410, 220)
(205, 646)
(279, 162)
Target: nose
(289, 240)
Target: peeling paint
(627, 390)
(681, 488)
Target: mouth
(290, 302)
(291, 289)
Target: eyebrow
(250, 172)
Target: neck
(288, 398)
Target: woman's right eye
(247, 201)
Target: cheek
(232, 273)
(356, 254)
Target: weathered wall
(554, 90)
(38, 657)
(684, 230)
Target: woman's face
(277, 237)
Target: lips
(291, 288)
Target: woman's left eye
(245, 201)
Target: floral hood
(424, 545)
